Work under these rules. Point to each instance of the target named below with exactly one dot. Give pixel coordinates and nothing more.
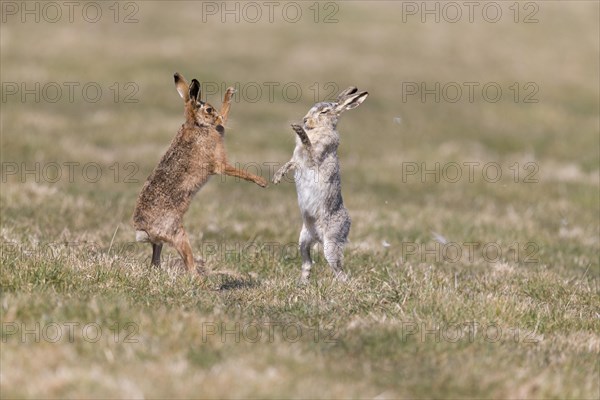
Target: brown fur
(196, 153)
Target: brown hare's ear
(195, 90)
(351, 101)
(350, 90)
(182, 87)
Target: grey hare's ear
(182, 87)
(349, 90)
(351, 101)
(195, 90)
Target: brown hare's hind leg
(183, 247)
(156, 249)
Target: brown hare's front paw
(261, 182)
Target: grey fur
(318, 182)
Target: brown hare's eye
(209, 110)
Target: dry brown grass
(65, 255)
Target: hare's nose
(305, 120)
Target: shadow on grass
(232, 281)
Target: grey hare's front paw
(302, 135)
(278, 175)
(297, 128)
(282, 171)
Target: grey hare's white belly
(311, 193)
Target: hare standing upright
(317, 176)
(196, 153)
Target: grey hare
(318, 182)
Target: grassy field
(474, 254)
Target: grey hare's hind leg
(334, 242)
(306, 241)
(334, 254)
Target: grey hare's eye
(325, 111)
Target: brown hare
(318, 182)
(196, 153)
